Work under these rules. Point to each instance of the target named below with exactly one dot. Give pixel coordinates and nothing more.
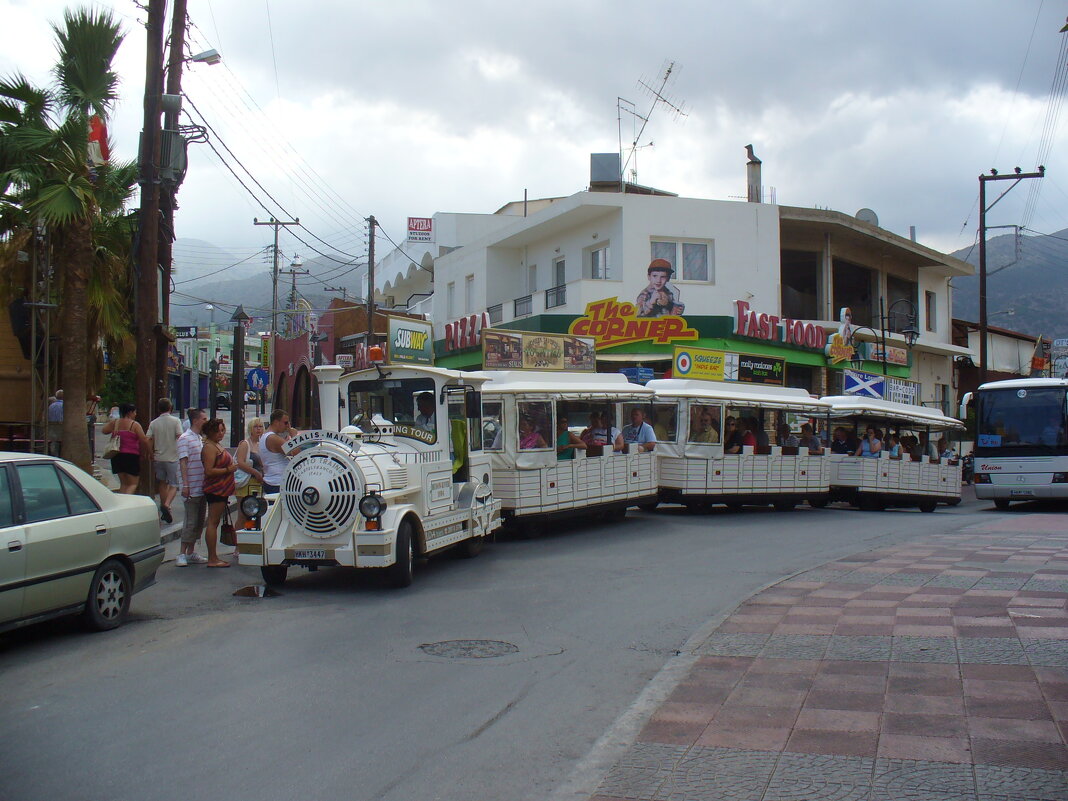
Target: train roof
(731, 392)
(849, 405)
(561, 384)
(1025, 383)
(420, 369)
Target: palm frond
(87, 41)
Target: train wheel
(400, 572)
(784, 506)
(274, 575)
(470, 548)
(928, 506)
(735, 507)
(817, 503)
(1002, 504)
(649, 507)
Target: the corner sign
(609, 323)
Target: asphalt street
(339, 687)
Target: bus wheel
(1002, 504)
(784, 506)
(928, 506)
(400, 572)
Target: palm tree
(45, 169)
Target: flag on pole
(1039, 359)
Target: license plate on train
(310, 553)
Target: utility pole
(1015, 177)
(294, 270)
(276, 224)
(147, 267)
(371, 223)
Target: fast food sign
(609, 323)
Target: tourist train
(412, 460)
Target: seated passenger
(704, 426)
(944, 451)
(840, 443)
(529, 438)
(427, 418)
(893, 446)
(759, 433)
(566, 442)
(872, 444)
(786, 438)
(810, 440)
(639, 432)
(732, 442)
(598, 434)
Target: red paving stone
(1013, 729)
(838, 720)
(756, 739)
(839, 743)
(924, 725)
(933, 749)
(1014, 753)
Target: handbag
(112, 449)
(241, 478)
(227, 535)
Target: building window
(559, 273)
(931, 310)
(691, 261)
(469, 294)
(496, 314)
(599, 266)
(532, 279)
(450, 299)
(899, 289)
(853, 289)
(799, 279)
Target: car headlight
(253, 506)
(372, 505)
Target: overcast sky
(343, 109)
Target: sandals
(218, 564)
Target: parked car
(73, 546)
(222, 400)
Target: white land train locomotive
(405, 480)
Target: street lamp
(213, 395)
(910, 333)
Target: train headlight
(372, 506)
(253, 507)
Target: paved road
(325, 692)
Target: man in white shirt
(426, 418)
(163, 434)
(190, 445)
(638, 431)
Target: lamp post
(213, 395)
(909, 332)
(237, 385)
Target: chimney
(752, 176)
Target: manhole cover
(469, 649)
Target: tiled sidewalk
(937, 670)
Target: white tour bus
(918, 477)
(555, 444)
(1021, 447)
(407, 477)
(697, 466)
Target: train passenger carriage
(703, 462)
(917, 477)
(555, 442)
(397, 471)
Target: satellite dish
(868, 216)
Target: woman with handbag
(124, 448)
(249, 478)
(219, 485)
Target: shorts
(166, 472)
(251, 488)
(196, 510)
(212, 498)
(128, 463)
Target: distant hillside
(1028, 278)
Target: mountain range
(1026, 285)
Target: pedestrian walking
(250, 479)
(219, 484)
(55, 424)
(132, 441)
(163, 434)
(190, 445)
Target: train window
(535, 425)
(409, 404)
(664, 420)
(492, 428)
(704, 423)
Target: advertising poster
(761, 370)
(411, 341)
(1059, 358)
(699, 363)
(517, 350)
(718, 365)
(873, 352)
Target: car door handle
(14, 545)
(101, 529)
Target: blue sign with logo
(258, 378)
(638, 375)
(866, 385)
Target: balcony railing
(523, 306)
(555, 296)
(496, 313)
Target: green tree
(45, 177)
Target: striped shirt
(190, 444)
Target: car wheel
(400, 572)
(108, 603)
(1002, 504)
(274, 575)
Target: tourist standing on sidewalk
(132, 440)
(55, 424)
(190, 445)
(163, 434)
(251, 464)
(274, 458)
(219, 484)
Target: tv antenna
(624, 106)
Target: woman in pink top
(127, 465)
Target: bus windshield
(1020, 422)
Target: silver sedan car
(69, 545)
